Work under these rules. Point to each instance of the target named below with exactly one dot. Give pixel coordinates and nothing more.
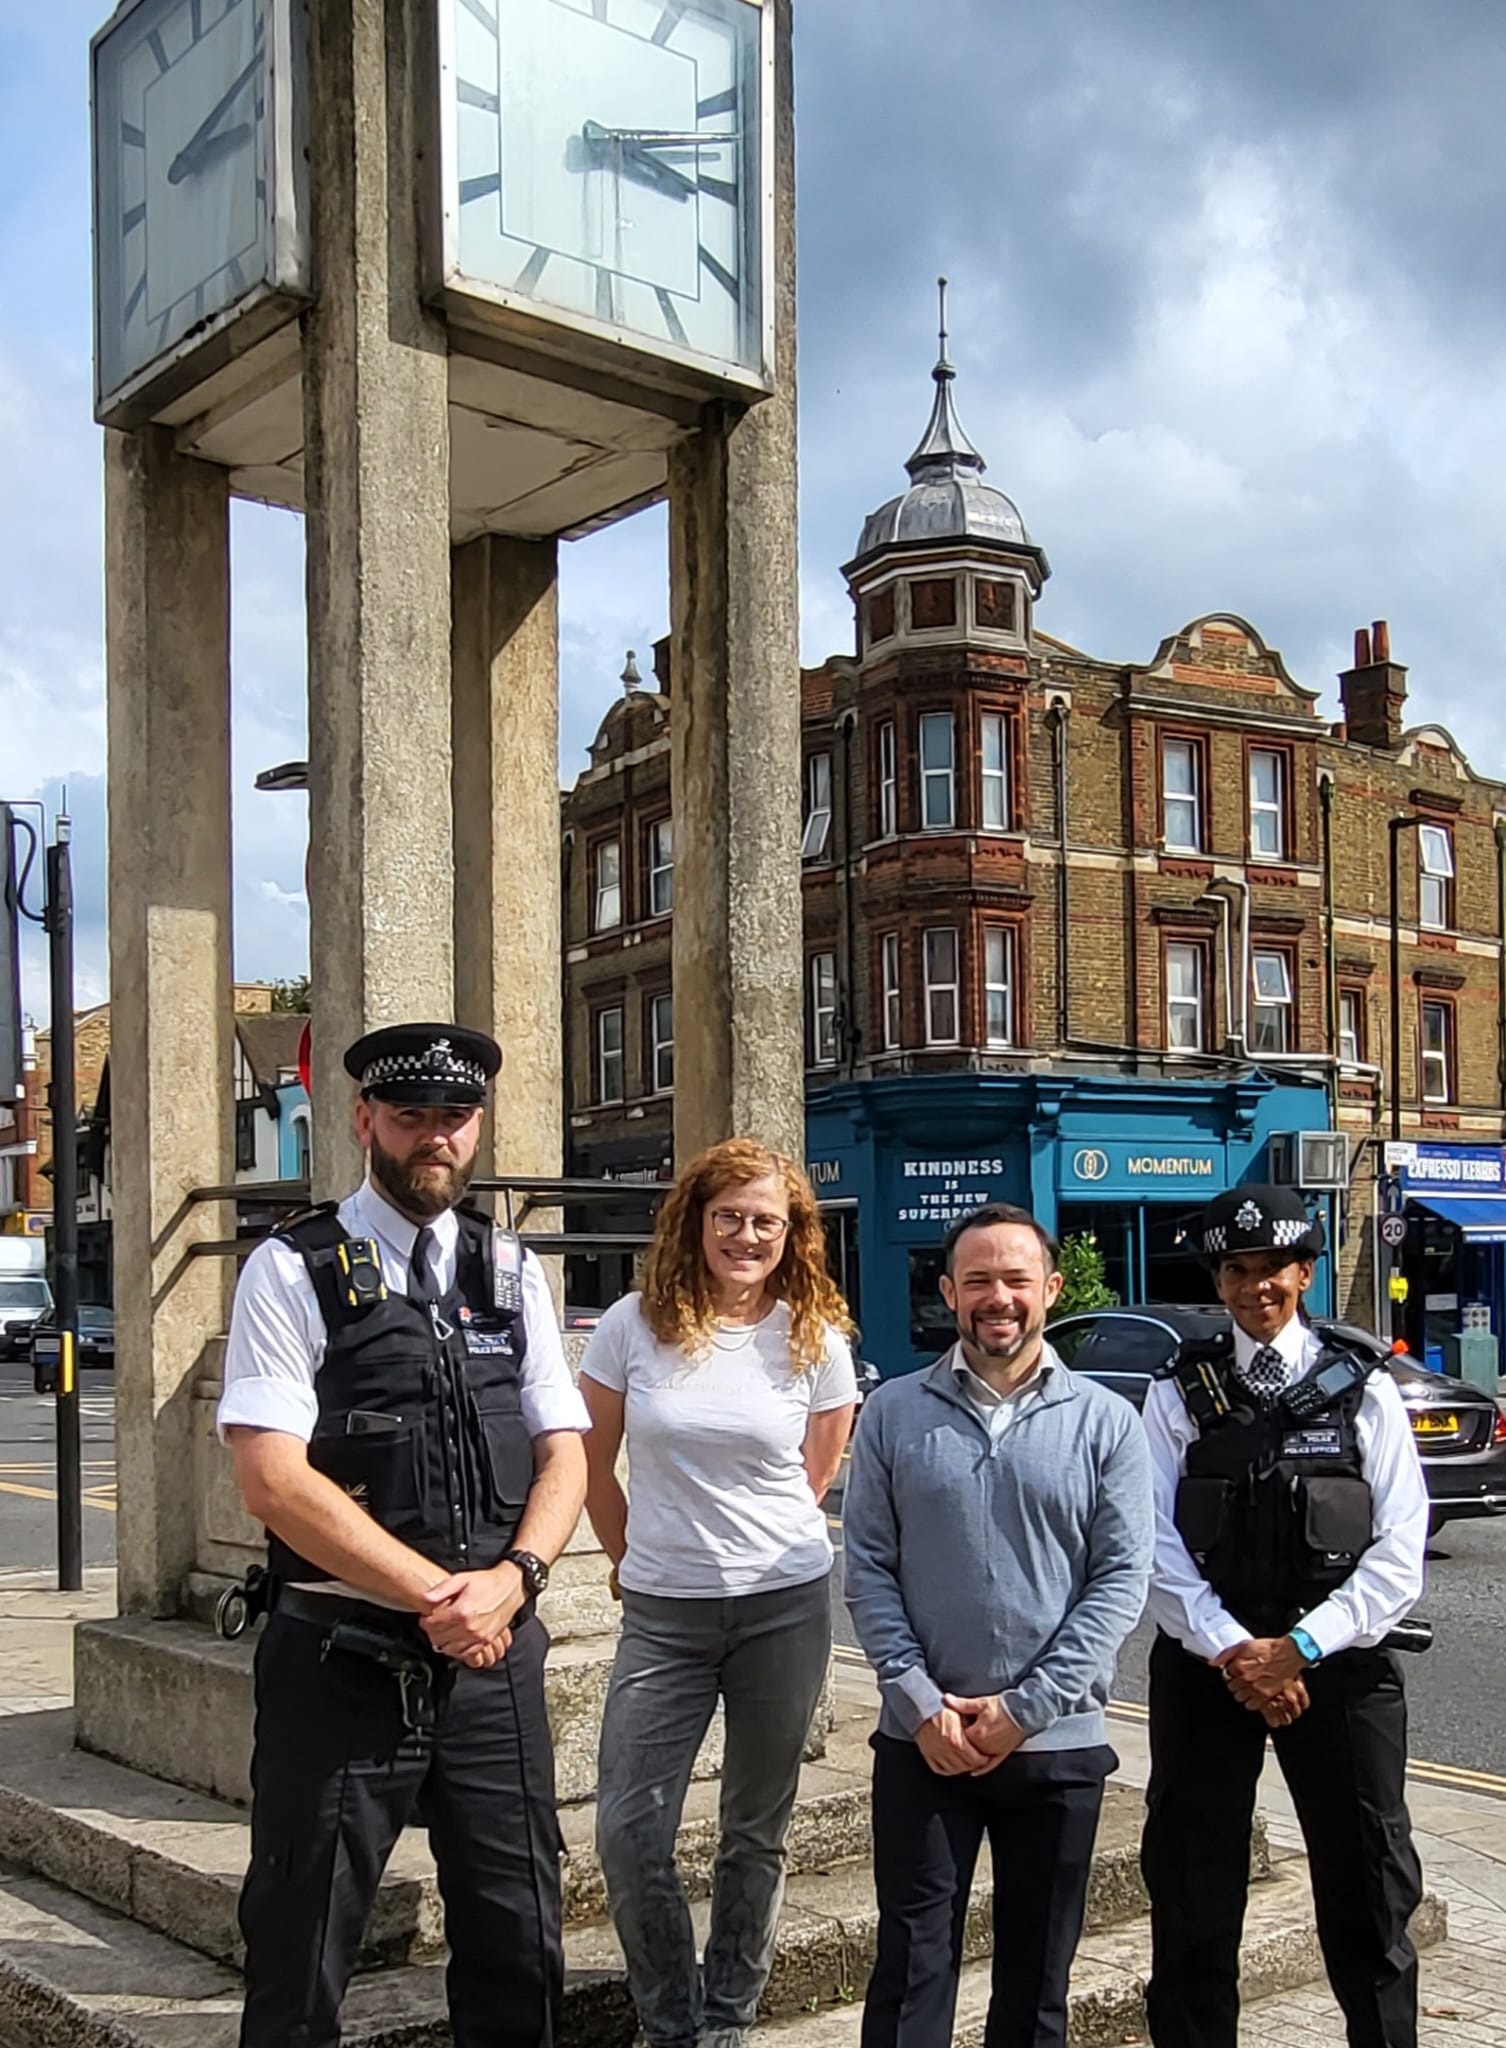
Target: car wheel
(1436, 1521)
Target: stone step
(173, 1860)
(172, 1699)
(73, 1972)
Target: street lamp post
(1395, 828)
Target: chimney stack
(1374, 691)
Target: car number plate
(1435, 1422)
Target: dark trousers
(336, 1776)
(1344, 1763)
(1039, 1810)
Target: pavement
(1461, 1832)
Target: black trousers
(1344, 1763)
(1040, 1812)
(336, 1776)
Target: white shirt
(276, 1343)
(998, 1411)
(718, 1500)
(1388, 1579)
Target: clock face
(607, 164)
(180, 104)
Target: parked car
(23, 1298)
(96, 1336)
(580, 1318)
(1460, 1430)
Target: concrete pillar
(507, 837)
(376, 463)
(734, 603)
(167, 631)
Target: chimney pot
(1380, 640)
(1361, 647)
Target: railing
(522, 1194)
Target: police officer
(1291, 1520)
(403, 1421)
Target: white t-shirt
(718, 1500)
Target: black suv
(1460, 1430)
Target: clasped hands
(968, 1737)
(466, 1616)
(1265, 1675)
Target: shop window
(661, 1044)
(1181, 796)
(933, 1327)
(994, 809)
(994, 605)
(941, 986)
(1435, 877)
(1351, 1026)
(816, 838)
(1437, 1033)
(1271, 976)
(606, 909)
(888, 813)
(933, 602)
(303, 1162)
(880, 608)
(661, 867)
(821, 1010)
(610, 1067)
(999, 985)
(889, 946)
(1267, 804)
(1186, 1018)
(938, 794)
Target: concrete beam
(377, 468)
(735, 763)
(167, 633)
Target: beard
(418, 1186)
(1003, 1350)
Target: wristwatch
(535, 1571)
(1311, 1654)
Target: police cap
(1258, 1218)
(424, 1063)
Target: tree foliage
(1084, 1279)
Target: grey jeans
(765, 1655)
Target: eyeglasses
(731, 1222)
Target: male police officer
(403, 1421)
(1291, 1520)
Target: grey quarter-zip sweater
(1011, 1562)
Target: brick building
(1080, 933)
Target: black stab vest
(1274, 1508)
(420, 1415)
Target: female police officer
(1291, 1520)
(404, 1423)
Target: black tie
(422, 1286)
(1265, 1376)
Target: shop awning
(1482, 1218)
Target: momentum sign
(1135, 1168)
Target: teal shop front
(895, 1161)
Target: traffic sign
(1393, 1230)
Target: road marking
(45, 1493)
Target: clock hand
(186, 162)
(620, 149)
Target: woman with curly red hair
(730, 1379)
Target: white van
(24, 1293)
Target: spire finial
(630, 676)
(941, 294)
(944, 448)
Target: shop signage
(823, 1173)
(1461, 1167)
(1132, 1167)
(941, 1190)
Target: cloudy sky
(1228, 310)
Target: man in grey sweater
(998, 1531)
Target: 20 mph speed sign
(1393, 1230)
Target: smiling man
(997, 1533)
(403, 1421)
(1291, 1520)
